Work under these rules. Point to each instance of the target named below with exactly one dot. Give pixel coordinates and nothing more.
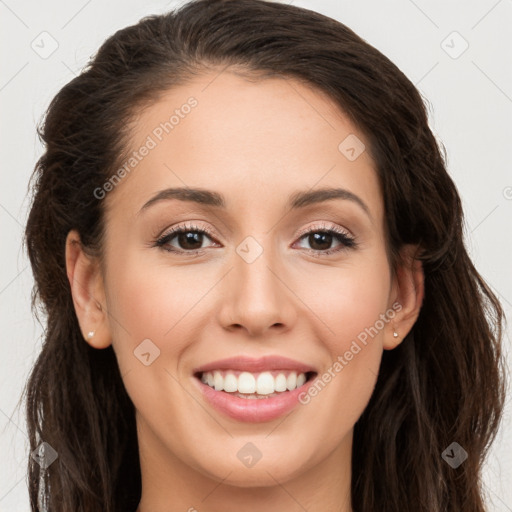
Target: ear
(87, 290)
(408, 289)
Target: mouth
(255, 385)
(253, 390)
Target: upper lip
(249, 364)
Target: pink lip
(253, 410)
(248, 364)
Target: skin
(256, 142)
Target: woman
(258, 295)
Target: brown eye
(184, 239)
(320, 241)
(189, 240)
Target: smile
(253, 390)
(254, 385)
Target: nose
(256, 298)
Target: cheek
(351, 304)
(348, 300)
(153, 310)
(151, 302)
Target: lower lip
(253, 410)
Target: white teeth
(218, 381)
(246, 383)
(230, 383)
(291, 381)
(264, 383)
(281, 382)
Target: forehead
(259, 139)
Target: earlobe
(87, 290)
(408, 293)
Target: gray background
(470, 96)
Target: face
(263, 267)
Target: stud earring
(90, 334)
(395, 334)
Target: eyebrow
(297, 200)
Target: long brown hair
(444, 383)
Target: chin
(267, 471)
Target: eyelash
(346, 241)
